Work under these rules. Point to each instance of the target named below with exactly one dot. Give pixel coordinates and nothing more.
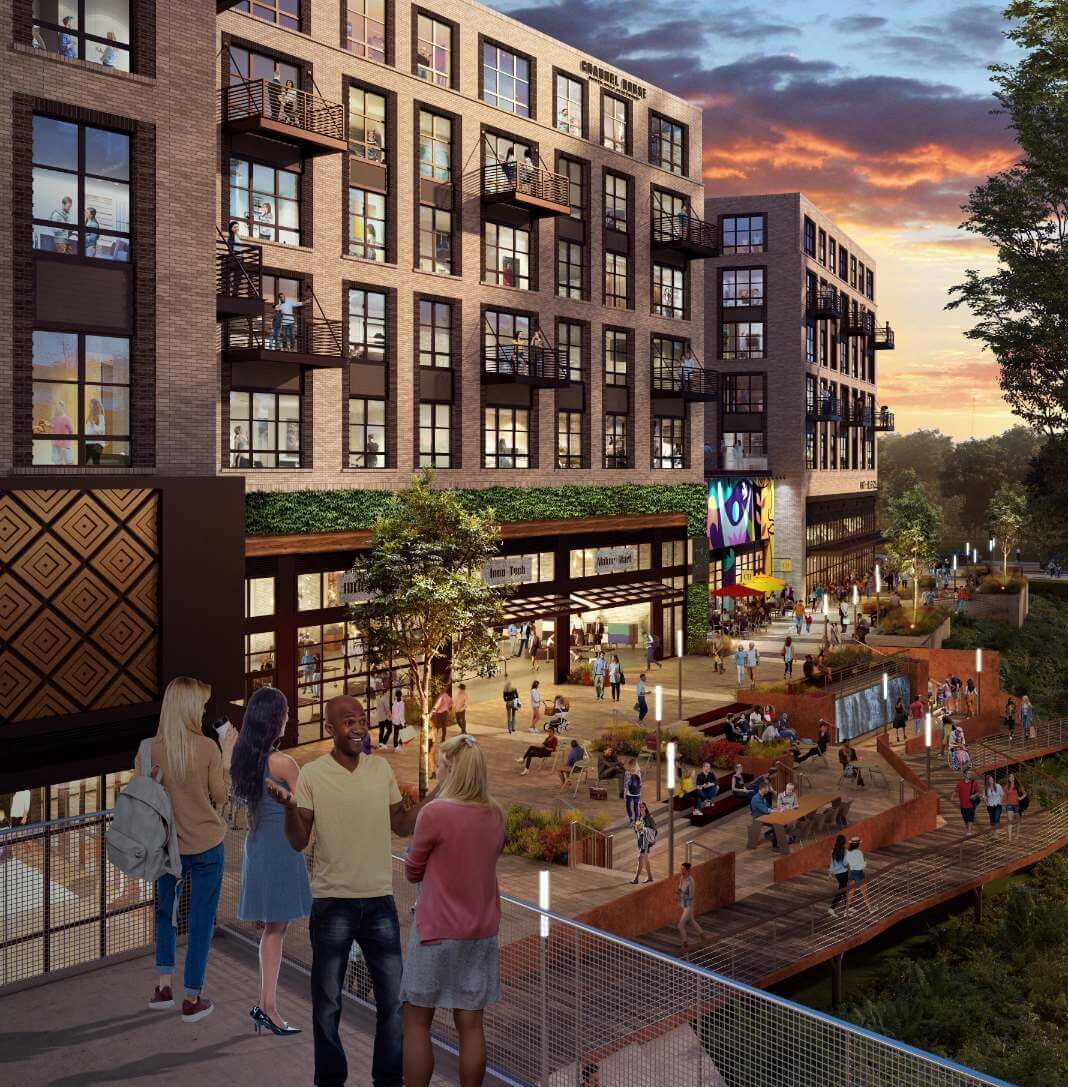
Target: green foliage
(999, 583)
(774, 750)
(542, 835)
(276, 513)
(905, 623)
(697, 616)
(690, 743)
(582, 674)
(629, 741)
(847, 656)
(913, 535)
(1007, 518)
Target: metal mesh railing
(525, 180)
(305, 336)
(272, 100)
(687, 230)
(539, 365)
(824, 303)
(999, 751)
(577, 1003)
(824, 408)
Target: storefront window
(259, 597)
(606, 561)
(319, 590)
(259, 660)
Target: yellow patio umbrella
(764, 583)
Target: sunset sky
(883, 119)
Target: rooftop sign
(607, 78)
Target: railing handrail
(243, 251)
(684, 225)
(266, 97)
(526, 179)
(525, 360)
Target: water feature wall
(864, 711)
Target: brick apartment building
(495, 243)
(791, 443)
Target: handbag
(407, 734)
(622, 678)
(1032, 732)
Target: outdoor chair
(841, 813)
(552, 763)
(580, 775)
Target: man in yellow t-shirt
(352, 802)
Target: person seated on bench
(543, 750)
(770, 734)
(686, 789)
(761, 805)
(739, 787)
(574, 754)
(609, 766)
(707, 785)
(847, 755)
(737, 730)
(787, 799)
(785, 731)
(818, 748)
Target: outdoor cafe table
(781, 821)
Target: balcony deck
(263, 106)
(539, 367)
(315, 343)
(826, 409)
(238, 281)
(533, 189)
(686, 235)
(695, 384)
(825, 305)
(883, 338)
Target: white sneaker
(524, 771)
(833, 913)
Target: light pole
(886, 704)
(878, 590)
(678, 653)
(826, 616)
(978, 682)
(856, 606)
(927, 742)
(671, 813)
(658, 710)
(543, 931)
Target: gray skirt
(461, 974)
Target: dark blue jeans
(204, 872)
(373, 924)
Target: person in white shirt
(397, 716)
(535, 705)
(383, 718)
(770, 735)
(752, 659)
(756, 721)
(857, 864)
(285, 308)
(787, 800)
(20, 807)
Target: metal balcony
(858, 324)
(825, 304)
(522, 364)
(859, 417)
(530, 188)
(884, 421)
(883, 338)
(824, 409)
(693, 383)
(238, 280)
(686, 235)
(267, 107)
(309, 341)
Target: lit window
(616, 356)
(367, 433)
(367, 325)
(365, 28)
(259, 597)
(507, 253)
(666, 144)
(743, 287)
(569, 270)
(93, 30)
(569, 349)
(569, 439)
(433, 50)
(507, 438)
(573, 171)
(615, 441)
(743, 234)
(669, 291)
(668, 442)
(280, 12)
(265, 201)
(506, 80)
(367, 224)
(569, 105)
(614, 122)
(264, 429)
(435, 334)
(435, 146)
(616, 276)
(367, 125)
(616, 202)
(435, 240)
(435, 435)
(743, 340)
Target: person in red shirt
(916, 712)
(968, 795)
(539, 751)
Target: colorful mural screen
(740, 512)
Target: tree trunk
(424, 733)
(915, 591)
(1005, 562)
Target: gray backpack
(142, 840)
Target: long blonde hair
(179, 721)
(468, 779)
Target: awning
(520, 609)
(764, 583)
(618, 596)
(735, 590)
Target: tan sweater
(200, 827)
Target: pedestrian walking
(1010, 718)
(900, 720)
(1013, 793)
(274, 879)
(383, 717)
(440, 713)
(352, 887)
(799, 616)
(641, 706)
(808, 623)
(632, 789)
(615, 676)
(645, 829)
(686, 896)
(739, 663)
(1027, 712)
(788, 657)
(535, 705)
(524, 638)
(598, 668)
(535, 648)
(453, 957)
(511, 704)
(994, 798)
(917, 710)
(191, 770)
(857, 864)
(971, 697)
(752, 659)
(838, 870)
(460, 708)
(969, 794)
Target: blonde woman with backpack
(192, 774)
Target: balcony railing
(883, 338)
(309, 340)
(523, 364)
(859, 324)
(884, 421)
(825, 303)
(523, 185)
(268, 106)
(238, 279)
(730, 463)
(857, 415)
(686, 234)
(824, 409)
(691, 383)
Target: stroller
(556, 720)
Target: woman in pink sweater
(453, 957)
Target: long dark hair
(839, 851)
(265, 717)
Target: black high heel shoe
(261, 1020)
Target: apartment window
(367, 432)
(81, 190)
(576, 187)
(869, 284)
(616, 356)
(743, 287)
(810, 238)
(843, 262)
(264, 429)
(666, 356)
(616, 278)
(669, 291)
(505, 80)
(616, 202)
(569, 439)
(569, 348)
(433, 50)
(259, 597)
(853, 272)
(367, 326)
(367, 125)
(569, 98)
(365, 28)
(265, 201)
(367, 224)
(747, 443)
(435, 435)
(614, 123)
(280, 12)
(743, 340)
(507, 438)
(507, 255)
(810, 341)
(743, 234)
(435, 334)
(821, 254)
(94, 30)
(319, 590)
(506, 337)
(666, 144)
(669, 441)
(810, 448)
(615, 441)
(743, 393)
(435, 240)
(569, 270)
(435, 146)
(259, 660)
(832, 254)
(81, 399)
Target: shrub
(628, 740)
(775, 750)
(582, 674)
(723, 754)
(773, 686)
(847, 656)
(901, 622)
(998, 583)
(690, 743)
(542, 835)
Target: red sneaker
(195, 1010)
(161, 999)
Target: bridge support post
(836, 980)
(977, 905)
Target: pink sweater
(453, 854)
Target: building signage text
(353, 590)
(607, 78)
(616, 560)
(508, 570)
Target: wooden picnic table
(781, 821)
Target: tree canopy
(1007, 518)
(913, 535)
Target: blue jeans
(643, 707)
(373, 924)
(632, 806)
(204, 872)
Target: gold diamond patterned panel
(79, 601)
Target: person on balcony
(274, 93)
(687, 368)
(526, 170)
(510, 167)
(68, 44)
(289, 103)
(285, 309)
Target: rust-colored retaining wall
(805, 708)
(902, 768)
(654, 905)
(897, 824)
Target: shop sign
(508, 570)
(353, 590)
(616, 560)
(786, 566)
(607, 78)
(869, 485)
